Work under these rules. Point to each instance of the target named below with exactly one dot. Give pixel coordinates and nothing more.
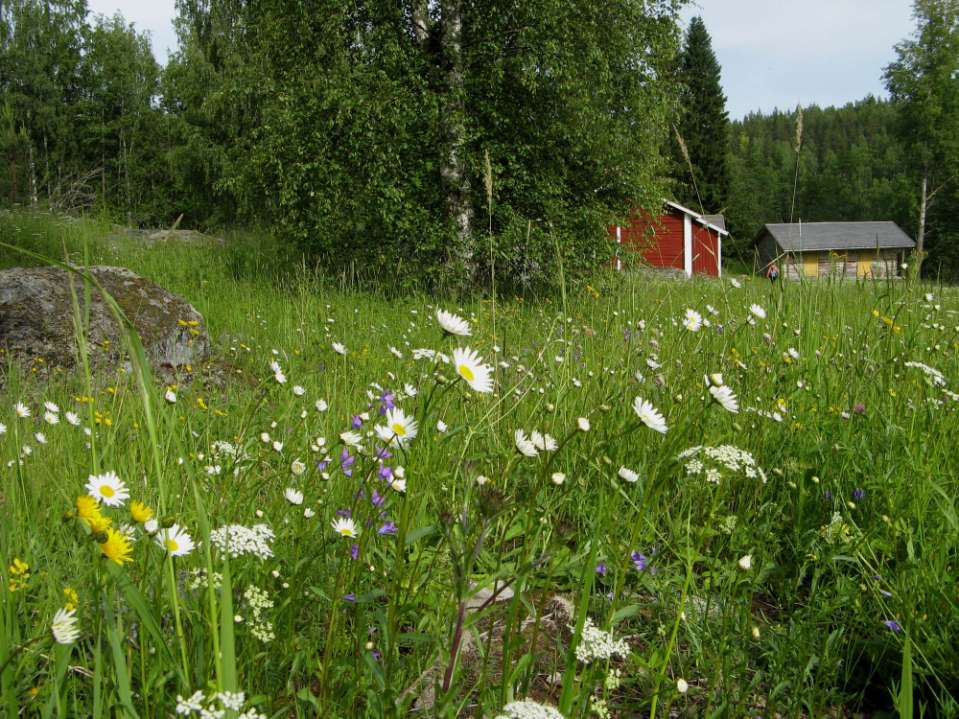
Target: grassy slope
(801, 631)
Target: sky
(774, 53)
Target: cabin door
(810, 265)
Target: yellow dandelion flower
(140, 512)
(88, 509)
(100, 524)
(117, 548)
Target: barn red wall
(659, 240)
(705, 251)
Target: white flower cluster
(534, 444)
(711, 461)
(258, 601)
(599, 644)
(215, 706)
(237, 540)
(931, 372)
(198, 579)
(528, 709)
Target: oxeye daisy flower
(524, 445)
(693, 321)
(297, 467)
(293, 496)
(21, 410)
(108, 488)
(725, 397)
(50, 417)
(757, 311)
(452, 324)
(51, 407)
(345, 527)
(64, 626)
(470, 367)
(140, 512)
(117, 547)
(649, 415)
(628, 475)
(339, 348)
(3, 428)
(351, 439)
(73, 418)
(175, 541)
(399, 428)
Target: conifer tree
(703, 123)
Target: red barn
(678, 238)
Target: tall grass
(477, 585)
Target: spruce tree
(703, 123)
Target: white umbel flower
(725, 397)
(64, 626)
(470, 367)
(597, 644)
(399, 428)
(345, 527)
(175, 541)
(452, 324)
(528, 709)
(649, 415)
(108, 488)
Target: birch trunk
(921, 234)
(453, 170)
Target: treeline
(850, 166)
(432, 142)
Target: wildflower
(321, 405)
(88, 510)
(72, 599)
(297, 467)
(745, 562)
(351, 439)
(40, 437)
(237, 540)
(399, 429)
(597, 644)
(757, 312)
(3, 428)
(627, 475)
(73, 418)
(108, 488)
(529, 709)
(452, 324)
(191, 704)
(170, 396)
(293, 496)
(523, 444)
(175, 540)
(558, 478)
(64, 626)
(21, 410)
(682, 686)
(735, 283)
(893, 625)
(50, 418)
(725, 397)
(19, 572)
(470, 367)
(339, 348)
(387, 528)
(140, 512)
(582, 424)
(51, 407)
(543, 442)
(298, 391)
(345, 527)
(639, 561)
(649, 415)
(441, 426)
(693, 321)
(117, 547)
(398, 485)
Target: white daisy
(558, 478)
(582, 424)
(693, 321)
(399, 428)
(524, 445)
(293, 496)
(108, 488)
(321, 405)
(351, 439)
(470, 367)
(757, 311)
(40, 437)
(22, 410)
(649, 415)
(441, 426)
(345, 527)
(170, 396)
(398, 485)
(297, 467)
(734, 282)
(298, 390)
(628, 475)
(51, 407)
(73, 418)
(453, 324)
(175, 540)
(50, 417)
(339, 348)
(64, 626)
(725, 397)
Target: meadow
(639, 497)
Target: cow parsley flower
(597, 644)
(528, 709)
(238, 541)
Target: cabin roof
(812, 236)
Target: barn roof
(805, 236)
(707, 220)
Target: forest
(465, 143)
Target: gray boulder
(36, 318)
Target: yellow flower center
(106, 490)
(171, 545)
(399, 430)
(466, 373)
(346, 532)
